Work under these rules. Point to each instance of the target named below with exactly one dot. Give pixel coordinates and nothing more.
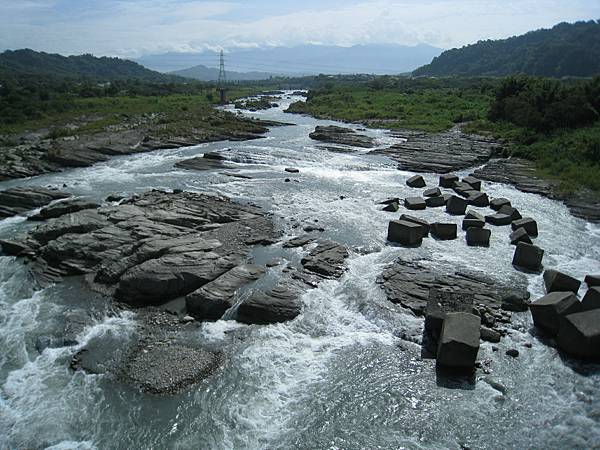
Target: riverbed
(338, 376)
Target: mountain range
(30, 62)
(564, 50)
(303, 59)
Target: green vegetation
(396, 103)
(27, 62)
(566, 50)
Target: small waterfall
(231, 313)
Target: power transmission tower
(222, 79)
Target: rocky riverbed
(250, 299)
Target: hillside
(29, 62)
(304, 59)
(564, 50)
(204, 73)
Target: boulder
(474, 215)
(391, 207)
(327, 259)
(498, 219)
(592, 280)
(479, 199)
(473, 182)
(472, 223)
(387, 201)
(277, 305)
(444, 231)
(463, 189)
(528, 256)
(212, 300)
(556, 281)
(435, 202)
(415, 203)
(497, 203)
(591, 299)
(456, 205)
(510, 211)
(405, 233)
(478, 237)
(489, 335)
(579, 335)
(424, 224)
(548, 310)
(528, 224)
(416, 182)
(292, 170)
(519, 235)
(433, 192)
(448, 180)
(459, 341)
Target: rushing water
(339, 375)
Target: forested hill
(564, 50)
(29, 62)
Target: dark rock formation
(498, 219)
(447, 181)
(416, 181)
(479, 199)
(473, 182)
(409, 284)
(61, 208)
(391, 207)
(522, 174)
(208, 161)
(405, 232)
(579, 335)
(497, 203)
(327, 259)
(340, 135)
(528, 256)
(444, 231)
(556, 281)
(456, 205)
(280, 304)
(548, 310)
(478, 237)
(424, 224)
(510, 211)
(439, 152)
(414, 203)
(459, 341)
(528, 224)
(20, 200)
(592, 280)
(212, 300)
(519, 235)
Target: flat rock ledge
(409, 284)
(439, 152)
(341, 135)
(521, 173)
(23, 199)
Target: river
(339, 376)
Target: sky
(133, 28)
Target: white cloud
(132, 28)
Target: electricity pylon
(222, 80)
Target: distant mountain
(29, 62)
(304, 59)
(204, 73)
(564, 50)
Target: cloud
(132, 28)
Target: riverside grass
(569, 156)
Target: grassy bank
(555, 124)
(92, 114)
(428, 109)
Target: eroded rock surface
(439, 152)
(408, 284)
(22, 199)
(340, 135)
(522, 174)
